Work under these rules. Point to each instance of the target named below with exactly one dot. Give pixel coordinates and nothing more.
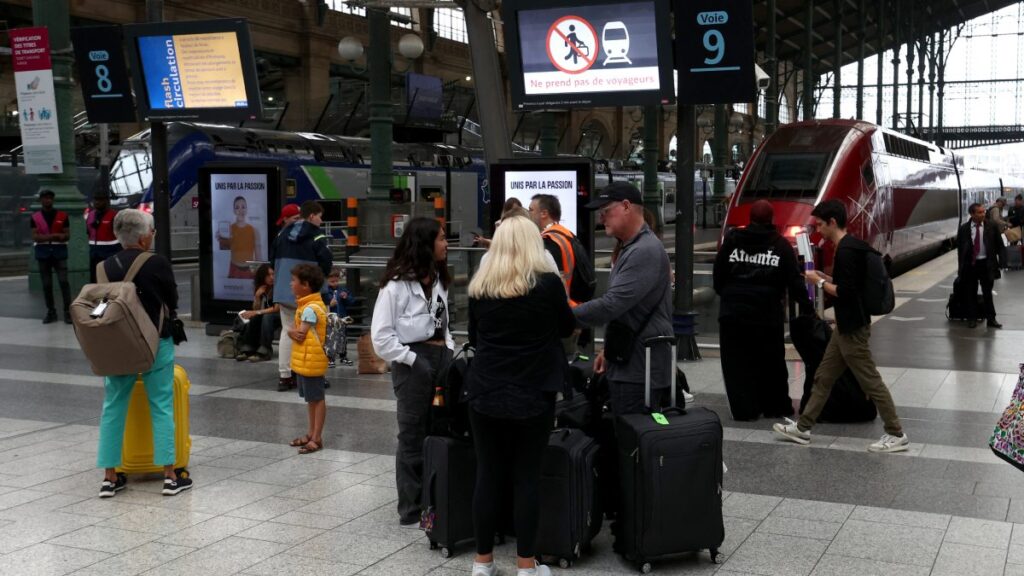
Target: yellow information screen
(193, 71)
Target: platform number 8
(103, 78)
(714, 42)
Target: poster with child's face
(238, 206)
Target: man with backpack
(859, 289)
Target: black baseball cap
(45, 193)
(616, 192)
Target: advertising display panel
(194, 71)
(571, 181)
(237, 208)
(597, 53)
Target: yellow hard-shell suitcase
(137, 453)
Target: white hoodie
(402, 316)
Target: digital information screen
(238, 204)
(201, 71)
(571, 181)
(562, 184)
(607, 53)
(238, 208)
(193, 71)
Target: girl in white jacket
(410, 330)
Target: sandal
(300, 441)
(310, 447)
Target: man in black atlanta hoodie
(754, 269)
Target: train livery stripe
(322, 182)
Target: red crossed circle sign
(572, 44)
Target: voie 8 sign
(103, 74)
(587, 54)
(715, 51)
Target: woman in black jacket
(518, 313)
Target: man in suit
(978, 244)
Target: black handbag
(619, 337)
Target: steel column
(939, 138)
(381, 110)
(771, 60)
(897, 28)
(837, 72)
(921, 62)
(881, 63)
(910, 68)
(488, 79)
(861, 50)
(683, 315)
(809, 60)
(652, 122)
(721, 148)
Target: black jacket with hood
(754, 269)
(298, 243)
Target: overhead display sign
(103, 74)
(37, 105)
(195, 71)
(715, 51)
(424, 96)
(599, 53)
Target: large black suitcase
(570, 515)
(671, 479)
(449, 479)
(956, 308)
(847, 402)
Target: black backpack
(584, 280)
(878, 295)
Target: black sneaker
(285, 384)
(327, 383)
(50, 318)
(172, 487)
(108, 488)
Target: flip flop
(300, 441)
(310, 447)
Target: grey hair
(131, 225)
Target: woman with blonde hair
(518, 313)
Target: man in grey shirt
(639, 295)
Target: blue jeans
(159, 383)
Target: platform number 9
(714, 43)
(103, 78)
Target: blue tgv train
(316, 167)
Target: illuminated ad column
(37, 105)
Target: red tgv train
(906, 197)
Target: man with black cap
(754, 270)
(99, 223)
(638, 302)
(50, 235)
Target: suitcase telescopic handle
(648, 344)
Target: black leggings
(508, 448)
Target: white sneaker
(890, 443)
(790, 432)
(489, 569)
(540, 570)
(688, 398)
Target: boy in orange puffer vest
(309, 362)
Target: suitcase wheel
(446, 552)
(716, 556)
(645, 568)
(564, 563)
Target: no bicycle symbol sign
(572, 44)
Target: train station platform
(947, 506)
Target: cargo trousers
(853, 351)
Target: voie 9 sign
(581, 55)
(715, 51)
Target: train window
(796, 176)
(869, 175)
(131, 174)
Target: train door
(877, 181)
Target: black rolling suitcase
(956, 308)
(671, 480)
(449, 479)
(570, 515)
(847, 402)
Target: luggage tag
(99, 309)
(660, 418)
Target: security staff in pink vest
(50, 234)
(99, 223)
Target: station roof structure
(917, 20)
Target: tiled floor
(947, 506)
